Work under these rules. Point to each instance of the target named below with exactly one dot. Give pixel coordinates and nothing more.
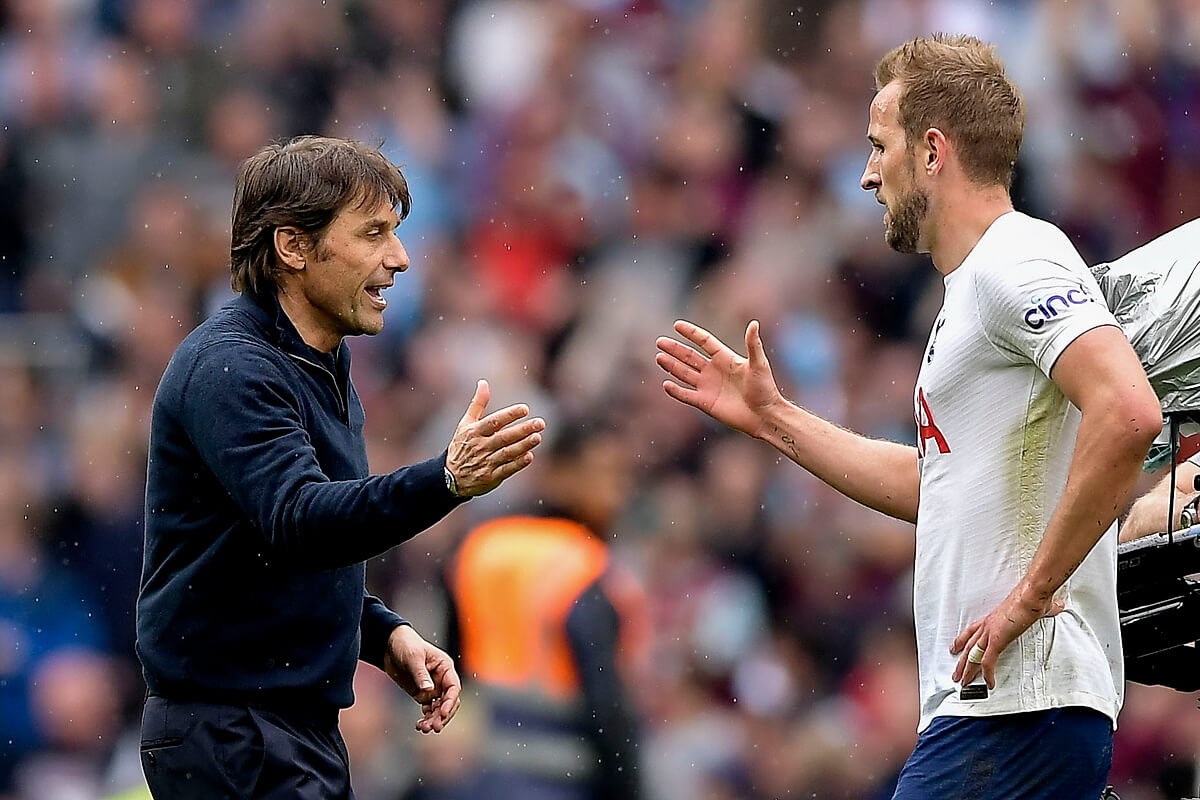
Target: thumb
(754, 345)
(483, 393)
(420, 676)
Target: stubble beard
(903, 233)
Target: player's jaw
(372, 302)
(903, 219)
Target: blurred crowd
(583, 173)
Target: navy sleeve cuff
(378, 622)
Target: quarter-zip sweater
(260, 515)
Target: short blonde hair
(957, 84)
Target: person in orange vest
(547, 624)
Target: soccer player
(260, 513)
(1033, 416)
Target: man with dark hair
(260, 512)
(1033, 416)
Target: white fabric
(997, 437)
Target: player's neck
(959, 220)
(307, 320)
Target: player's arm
(1101, 375)
(242, 416)
(742, 393)
(1149, 512)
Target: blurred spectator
(549, 627)
(58, 694)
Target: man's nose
(870, 178)
(396, 258)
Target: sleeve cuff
(378, 622)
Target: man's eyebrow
(379, 222)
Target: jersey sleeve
(1032, 310)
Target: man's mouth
(376, 295)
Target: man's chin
(899, 243)
(369, 326)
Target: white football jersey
(995, 439)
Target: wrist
(772, 417)
(1034, 598)
(450, 481)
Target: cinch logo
(1055, 304)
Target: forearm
(879, 474)
(1149, 513)
(335, 523)
(1104, 468)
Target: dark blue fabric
(259, 516)
(49, 616)
(203, 751)
(1059, 754)
(593, 629)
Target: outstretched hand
(427, 674)
(485, 451)
(734, 390)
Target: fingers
(438, 712)
(502, 418)
(506, 471)
(678, 369)
(444, 711)
(698, 336)
(991, 656)
(966, 670)
(516, 433)
(684, 395)
(681, 352)
(961, 640)
(483, 393)
(962, 644)
(514, 451)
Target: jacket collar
(280, 331)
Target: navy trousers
(1059, 754)
(203, 751)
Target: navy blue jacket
(260, 515)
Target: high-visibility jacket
(515, 581)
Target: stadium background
(584, 172)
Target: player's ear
(291, 247)
(933, 151)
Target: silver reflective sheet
(1154, 292)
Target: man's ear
(291, 248)
(933, 151)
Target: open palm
(733, 390)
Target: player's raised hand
(734, 390)
(486, 450)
